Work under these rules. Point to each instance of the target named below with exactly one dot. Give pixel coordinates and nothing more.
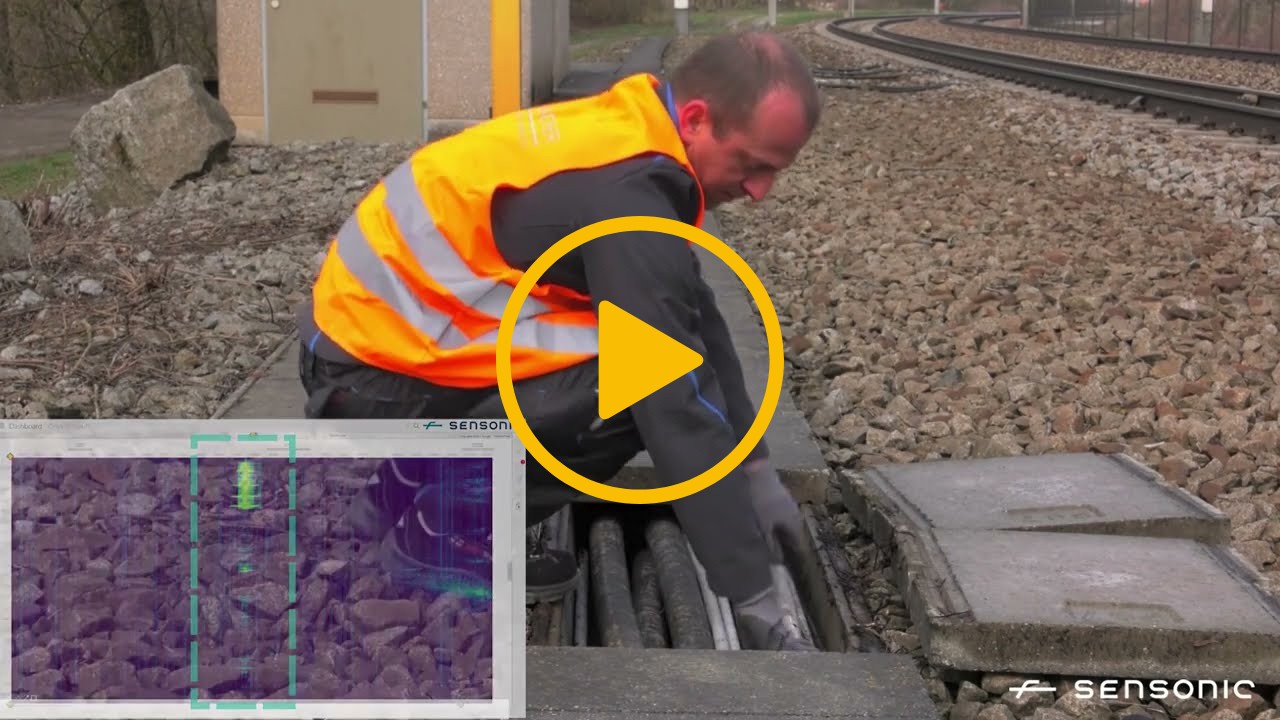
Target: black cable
(681, 594)
(610, 588)
(646, 594)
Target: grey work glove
(765, 624)
(776, 510)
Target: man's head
(747, 104)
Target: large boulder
(149, 136)
(15, 239)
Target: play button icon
(636, 360)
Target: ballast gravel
(981, 270)
(1218, 71)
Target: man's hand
(775, 508)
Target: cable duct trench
(641, 586)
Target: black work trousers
(561, 410)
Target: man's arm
(685, 426)
(723, 356)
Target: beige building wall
(458, 59)
(240, 66)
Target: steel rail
(982, 22)
(1224, 108)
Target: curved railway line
(1235, 110)
(984, 22)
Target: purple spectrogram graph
(287, 604)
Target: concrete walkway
(40, 128)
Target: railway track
(1232, 109)
(983, 22)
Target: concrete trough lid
(1076, 564)
(1089, 605)
(1063, 492)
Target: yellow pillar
(504, 42)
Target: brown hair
(733, 72)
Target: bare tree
(137, 46)
(8, 80)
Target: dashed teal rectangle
(196, 702)
(195, 570)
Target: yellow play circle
(773, 334)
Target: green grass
(43, 175)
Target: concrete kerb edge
(257, 374)
(806, 484)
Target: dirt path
(39, 128)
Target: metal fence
(1244, 24)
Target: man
(405, 311)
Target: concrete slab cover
(589, 682)
(1115, 607)
(1070, 492)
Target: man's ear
(694, 119)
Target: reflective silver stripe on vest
(435, 253)
(361, 261)
(533, 334)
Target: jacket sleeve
(685, 426)
(723, 356)
(653, 276)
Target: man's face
(745, 161)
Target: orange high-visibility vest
(413, 282)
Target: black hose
(647, 596)
(610, 589)
(681, 594)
